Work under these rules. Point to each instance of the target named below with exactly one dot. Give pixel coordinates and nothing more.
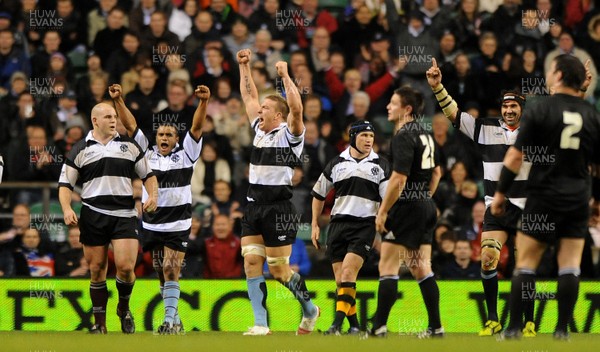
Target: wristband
(506, 179)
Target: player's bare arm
(434, 79)
(395, 186)
(436, 175)
(116, 93)
(64, 197)
(294, 119)
(588, 79)
(202, 93)
(151, 185)
(247, 86)
(317, 209)
(512, 164)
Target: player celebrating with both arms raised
(167, 229)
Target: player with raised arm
(166, 230)
(270, 221)
(493, 137)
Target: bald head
(103, 109)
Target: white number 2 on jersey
(573, 122)
(427, 161)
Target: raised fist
(115, 91)
(243, 56)
(282, 68)
(202, 92)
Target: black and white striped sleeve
(192, 148)
(142, 168)
(140, 138)
(70, 169)
(466, 123)
(325, 182)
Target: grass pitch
(282, 342)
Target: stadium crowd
(58, 58)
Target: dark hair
(573, 72)
(409, 96)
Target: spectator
(140, 16)
(527, 35)
(459, 213)
(145, 100)
(448, 51)
(122, 59)
(462, 267)
(31, 259)
(96, 19)
(472, 222)
(265, 17)
(111, 37)
(11, 238)
(566, 45)
(240, 36)
(487, 67)
(72, 30)
(193, 256)
(356, 31)
(213, 67)
(41, 59)
(464, 86)
(43, 164)
(202, 30)
(12, 59)
(317, 151)
(75, 130)
(156, 32)
(435, 17)
(264, 54)
(444, 253)
(448, 189)
(312, 18)
(178, 112)
(82, 83)
(504, 21)
(66, 115)
(223, 16)
(467, 25)
(222, 251)
(98, 92)
(181, 19)
(209, 169)
(223, 203)
(69, 259)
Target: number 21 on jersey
(427, 159)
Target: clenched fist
(202, 92)
(282, 68)
(243, 56)
(115, 91)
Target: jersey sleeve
(142, 168)
(192, 148)
(466, 124)
(140, 138)
(296, 142)
(70, 169)
(403, 146)
(325, 182)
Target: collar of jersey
(346, 155)
(90, 137)
(505, 126)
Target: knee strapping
(274, 261)
(254, 249)
(490, 248)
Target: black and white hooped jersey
(274, 156)
(493, 138)
(174, 174)
(359, 185)
(106, 172)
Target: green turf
(281, 342)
